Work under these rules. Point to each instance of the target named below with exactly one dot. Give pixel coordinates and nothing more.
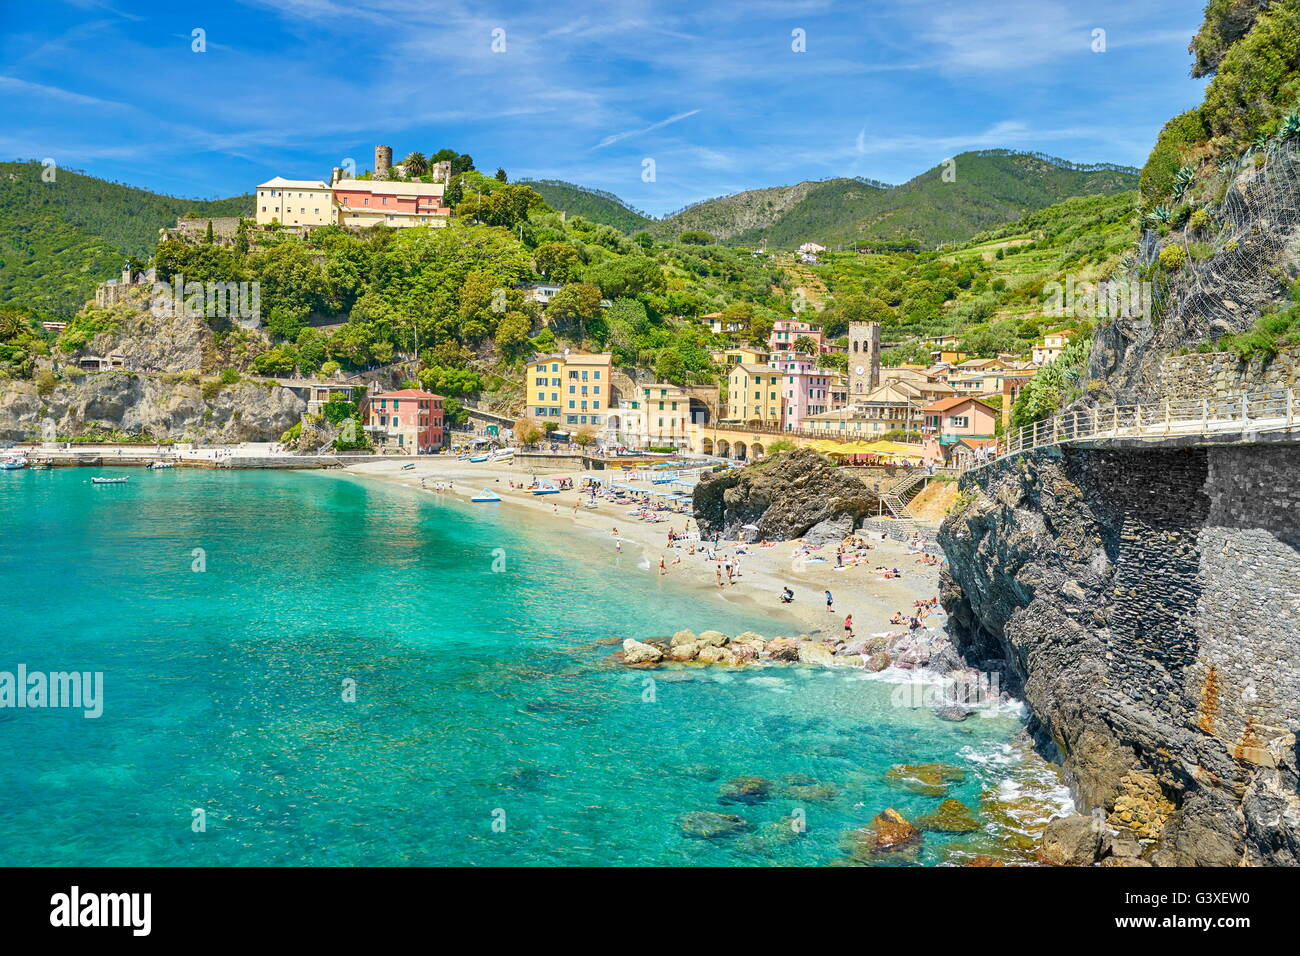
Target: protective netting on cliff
(1258, 215)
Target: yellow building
(754, 394)
(741, 355)
(571, 389)
(295, 202)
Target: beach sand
(859, 591)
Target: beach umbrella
(750, 527)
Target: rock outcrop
(164, 407)
(1144, 603)
(784, 495)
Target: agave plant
(1263, 144)
(1156, 217)
(1290, 128)
(1182, 180)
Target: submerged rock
(928, 779)
(951, 816)
(708, 825)
(746, 789)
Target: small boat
(477, 459)
(408, 466)
(545, 489)
(486, 496)
(13, 464)
(108, 481)
(505, 454)
(161, 464)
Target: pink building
(409, 419)
(788, 331)
(370, 202)
(805, 388)
(955, 426)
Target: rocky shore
(955, 693)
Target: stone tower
(441, 172)
(383, 161)
(864, 358)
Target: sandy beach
(763, 571)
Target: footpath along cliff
(1144, 596)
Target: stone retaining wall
(1222, 373)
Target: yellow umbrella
(824, 445)
(856, 448)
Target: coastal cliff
(165, 407)
(1145, 604)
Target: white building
(295, 202)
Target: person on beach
(848, 627)
(663, 568)
(787, 596)
(717, 570)
(830, 602)
(618, 545)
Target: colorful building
(409, 419)
(377, 202)
(754, 394)
(1053, 344)
(891, 407)
(788, 331)
(295, 202)
(571, 389)
(954, 420)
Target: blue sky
(712, 92)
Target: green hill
(594, 204)
(988, 188)
(58, 239)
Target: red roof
(944, 404)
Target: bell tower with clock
(864, 359)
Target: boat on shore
(108, 481)
(486, 495)
(478, 459)
(545, 488)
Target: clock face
(860, 370)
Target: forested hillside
(57, 239)
(979, 190)
(594, 204)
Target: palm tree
(416, 164)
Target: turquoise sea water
(480, 694)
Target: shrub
(1173, 257)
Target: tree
(585, 436)
(416, 164)
(558, 261)
(527, 431)
(512, 335)
(501, 175)
(454, 193)
(669, 367)
(628, 276)
(577, 305)
(805, 346)
(696, 237)
(507, 206)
